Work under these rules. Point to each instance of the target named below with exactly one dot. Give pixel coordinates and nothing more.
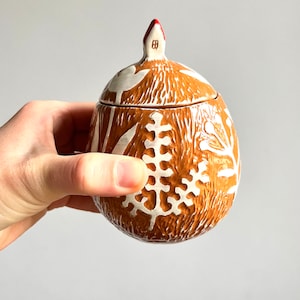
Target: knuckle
(31, 106)
(81, 174)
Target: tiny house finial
(154, 41)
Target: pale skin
(39, 170)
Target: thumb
(94, 174)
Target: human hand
(39, 171)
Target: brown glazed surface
(173, 119)
(211, 201)
(163, 85)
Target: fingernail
(130, 173)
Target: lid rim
(178, 105)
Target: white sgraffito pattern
(194, 74)
(184, 195)
(192, 189)
(125, 80)
(124, 141)
(158, 172)
(109, 128)
(96, 135)
(221, 143)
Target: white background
(250, 52)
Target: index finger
(71, 126)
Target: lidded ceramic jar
(169, 116)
